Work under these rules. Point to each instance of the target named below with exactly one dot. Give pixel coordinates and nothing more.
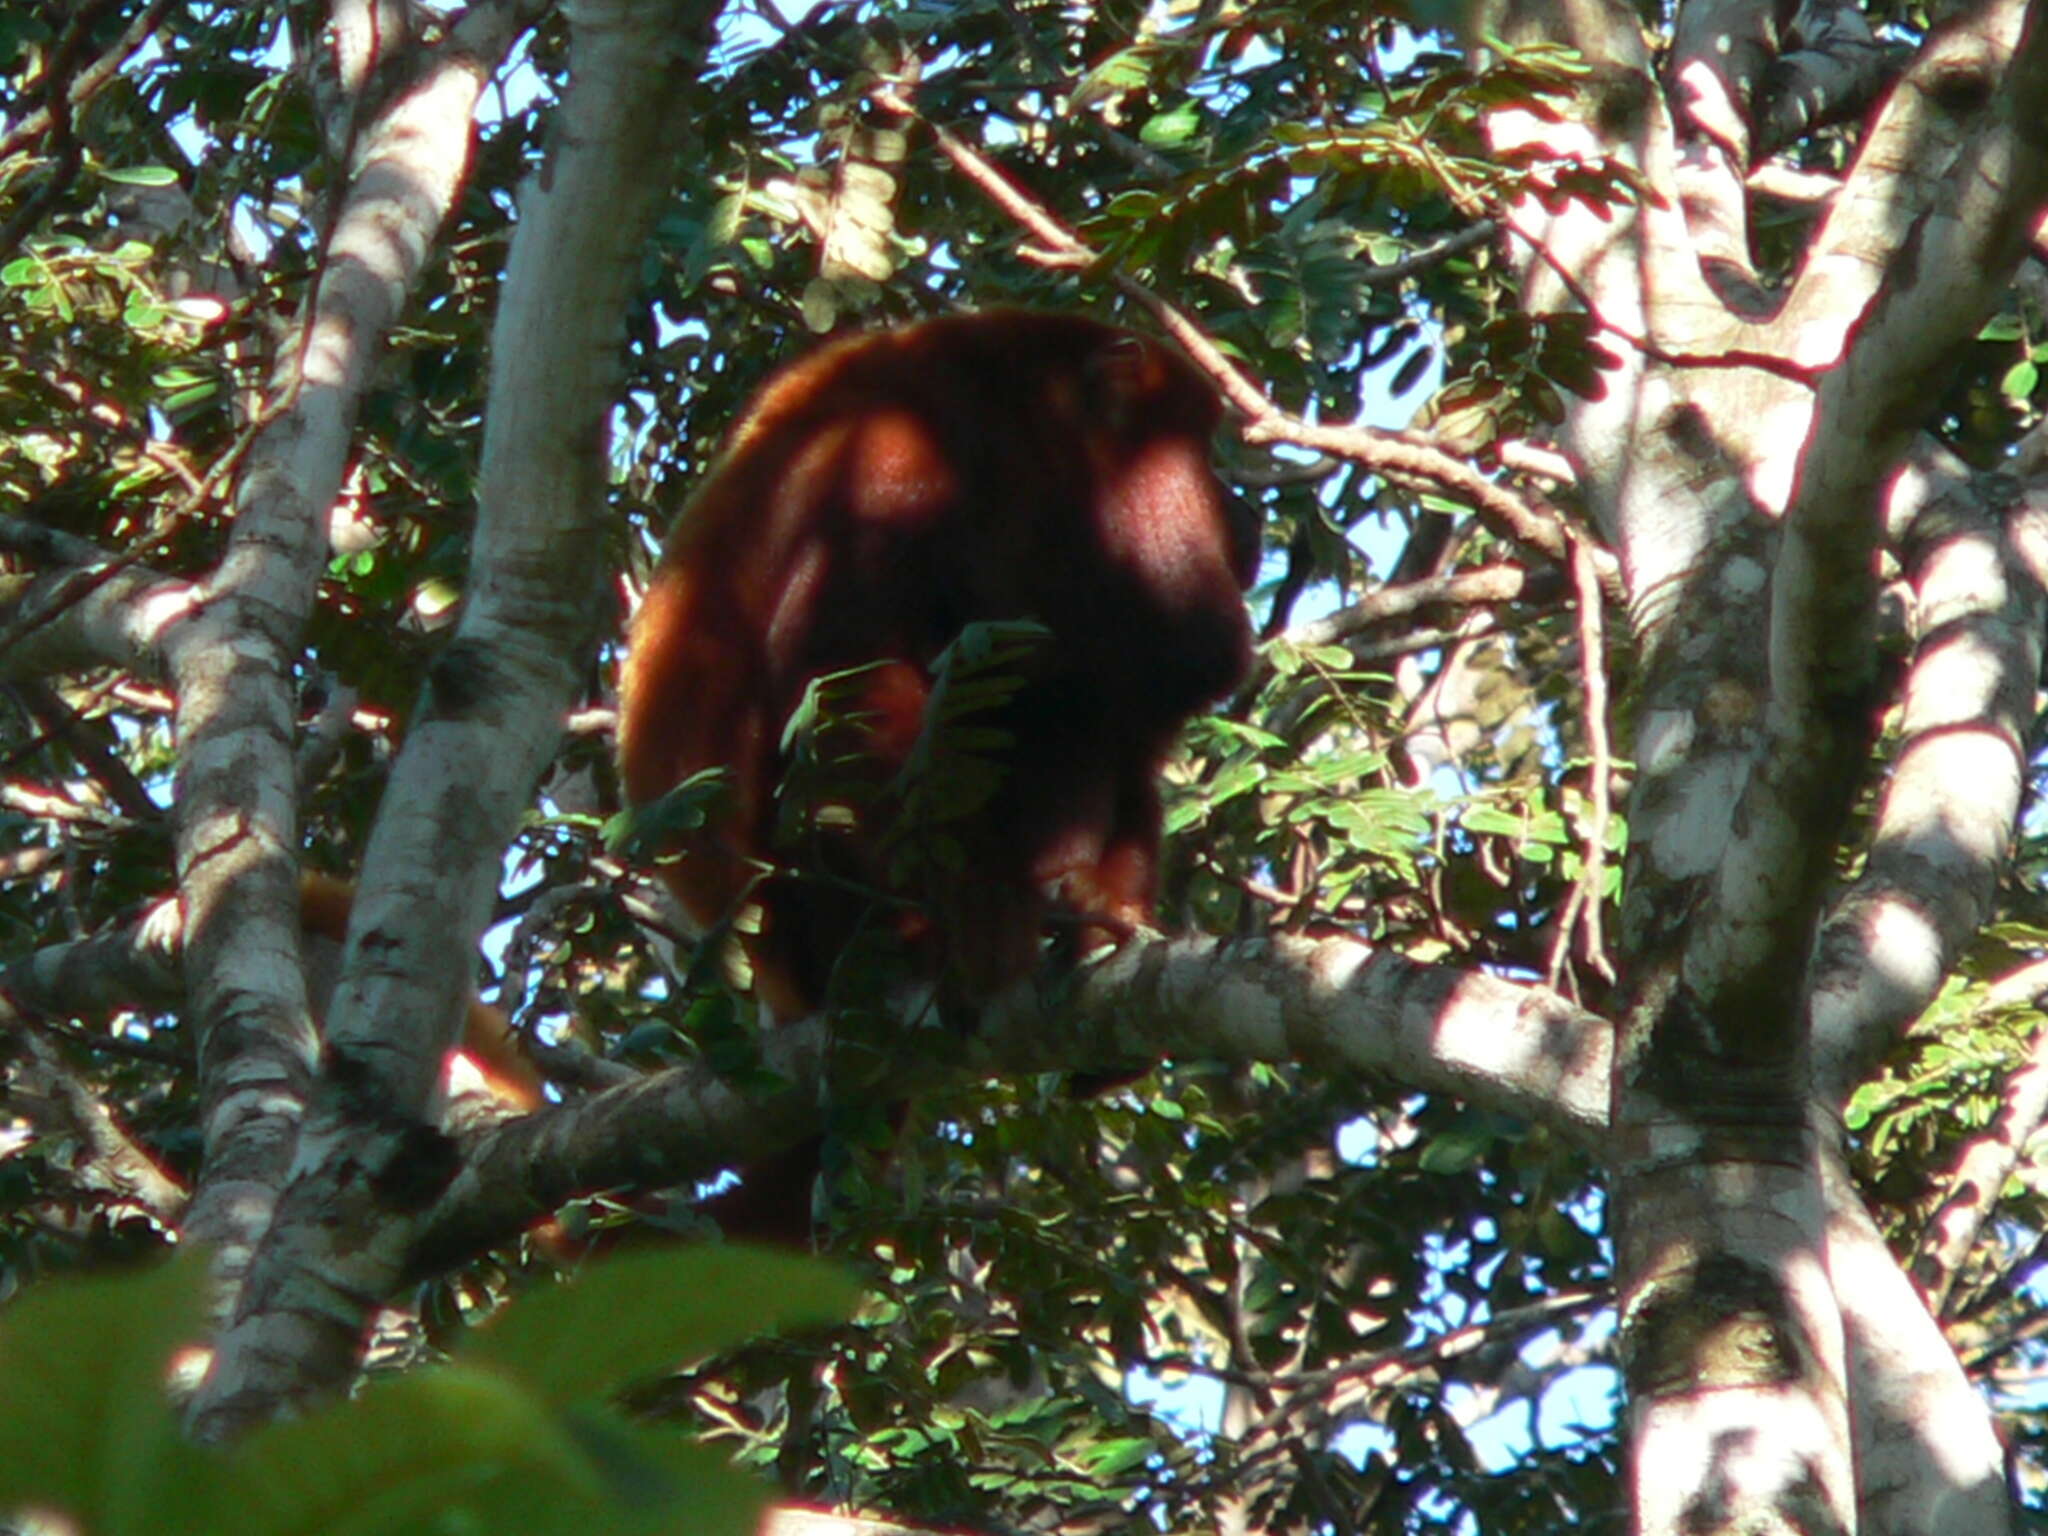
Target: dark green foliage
(1342, 1266)
(515, 1435)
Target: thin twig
(1593, 667)
(96, 566)
(93, 751)
(66, 157)
(1403, 456)
(1474, 588)
(89, 81)
(61, 1106)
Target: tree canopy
(1592, 1066)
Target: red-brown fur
(877, 496)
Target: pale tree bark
(1333, 1005)
(1740, 463)
(1977, 561)
(368, 1161)
(82, 608)
(231, 659)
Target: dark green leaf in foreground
(458, 1450)
(646, 1312)
(87, 1427)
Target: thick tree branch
(1946, 816)
(134, 966)
(1927, 1456)
(1720, 52)
(1792, 762)
(1749, 77)
(1946, 276)
(1835, 69)
(366, 1162)
(1331, 1004)
(232, 663)
(98, 609)
(1951, 91)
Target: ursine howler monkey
(874, 498)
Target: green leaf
(1236, 779)
(198, 394)
(446, 1449)
(1133, 205)
(1869, 1101)
(648, 1312)
(1454, 1152)
(1248, 734)
(89, 1429)
(1491, 819)
(141, 175)
(1117, 1456)
(682, 1486)
(1172, 129)
(1543, 399)
(644, 830)
(1122, 72)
